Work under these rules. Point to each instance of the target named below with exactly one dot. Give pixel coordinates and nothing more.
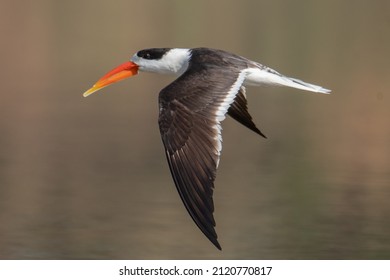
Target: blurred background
(87, 178)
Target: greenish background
(87, 178)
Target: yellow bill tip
(91, 90)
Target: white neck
(175, 61)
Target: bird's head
(158, 60)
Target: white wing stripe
(224, 106)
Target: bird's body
(211, 84)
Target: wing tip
(216, 244)
(260, 133)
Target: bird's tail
(267, 76)
(295, 83)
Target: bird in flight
(210, 83)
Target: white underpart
(267, 76)
(224, 106)
(175, 61)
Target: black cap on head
(153, 54)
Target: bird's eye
(145, 55)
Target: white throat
(175, 61)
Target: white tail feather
(295, 83)
(267, 76)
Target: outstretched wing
(191, 109)
(238, 110)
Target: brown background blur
(86, 178)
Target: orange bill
(117, 74)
